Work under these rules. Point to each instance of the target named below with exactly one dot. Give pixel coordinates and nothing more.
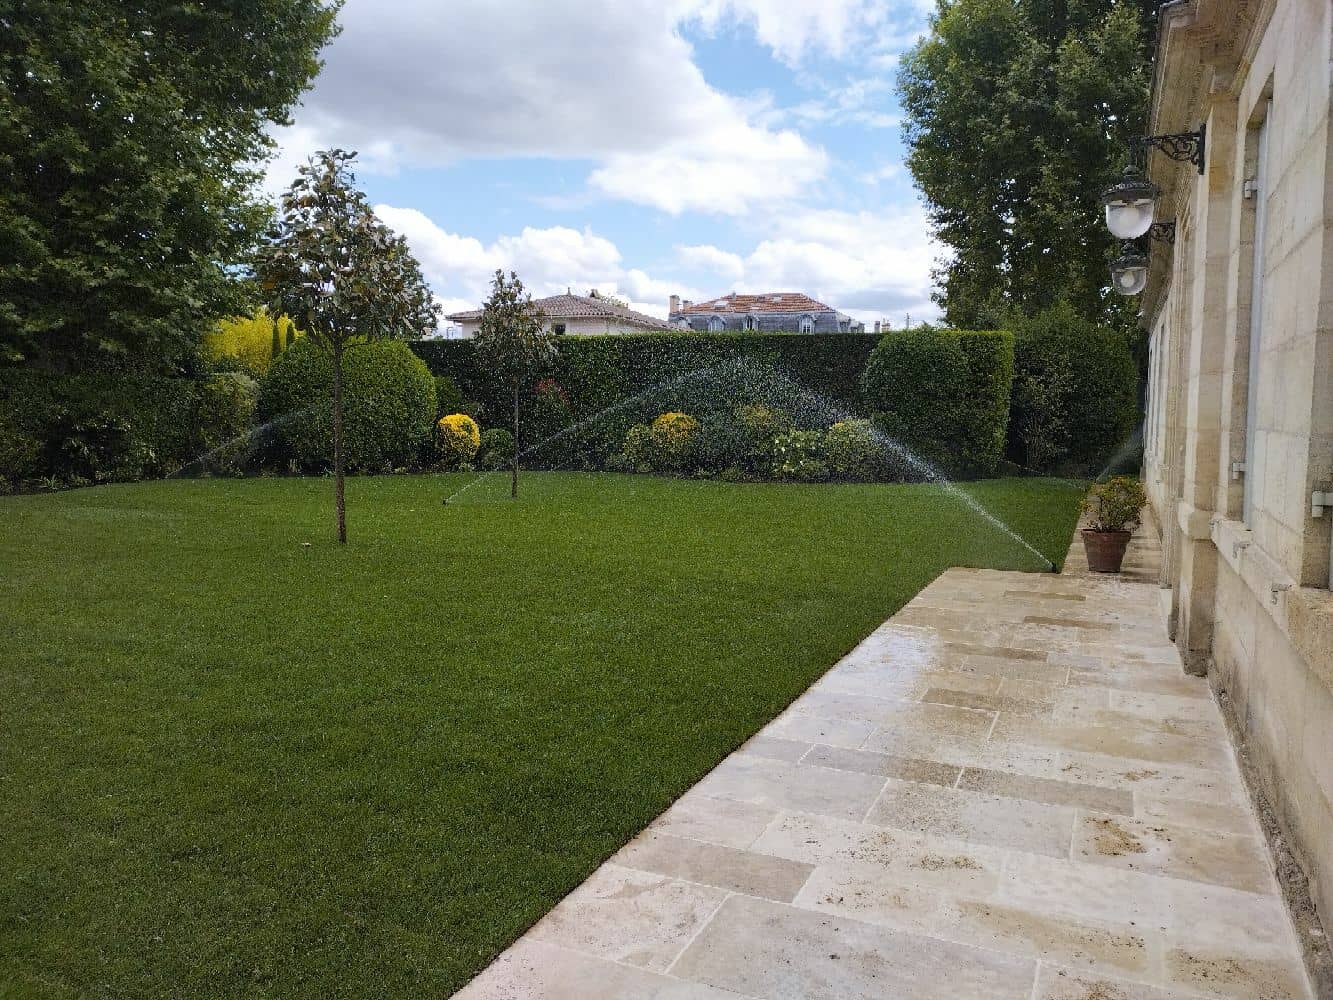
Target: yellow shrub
(673, 438)
(253, 341)
(460, 437)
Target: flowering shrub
(799, 456)
(852, 451)
(459, 438)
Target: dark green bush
(74, 429)
(224, 420)
(944, 394)
(389, 406)
(497, 448)
(448, 397)
(1075, 397)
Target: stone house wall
(1249, 587)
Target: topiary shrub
(1075, 395)
(458, 439)
(388, 400)
(944, 395)
(799, 456)
(496, 448)
(852, 451)
(223, 417)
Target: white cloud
(793, 29)
(416, 83)
(870, 265)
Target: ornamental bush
(388, 406)
(799, 456)
(77, 429)
(458, 439)
(852, 451)
(223, 417)
(250, 343)
(674, 436)
(1115, 504)
(944, 395)
(496, 448)
(1075, 397)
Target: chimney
(877, 326)
(673, 305)
(686, 304)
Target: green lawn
(235, 758)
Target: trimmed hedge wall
(597, 371)
(661, 372)
(94, 428)
(944, 394)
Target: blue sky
(640, 147)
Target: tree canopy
(341, 275)
(1018, 113)
(130, 139)
(515, 341)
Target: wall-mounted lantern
(1131, 204)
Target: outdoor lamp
(1129, 271)
(1129, 205)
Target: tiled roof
(578, 307)
(769, 302)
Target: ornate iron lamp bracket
(1183, 147)
(1163, 231)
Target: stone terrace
(1009, 790)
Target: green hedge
(74, 429)
(1076, 396)
(944, 394)
(389, 406)
(660, 372)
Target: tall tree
(130, 134)
(1018, 113)
(341, 275)
(515, 343)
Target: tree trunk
(513, 486)
(339, 502)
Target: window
(750, 323)
(714, 324)
(807, 324)
(1253, 452)
(558, 329)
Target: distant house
(771, 312)
(574, 314)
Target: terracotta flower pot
(1105, 549)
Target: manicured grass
(235, 758)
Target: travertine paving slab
(1009, 790)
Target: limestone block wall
(1251, 599)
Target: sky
(641, 147)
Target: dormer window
(807, 324)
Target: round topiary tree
(388, 405)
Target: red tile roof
(579, 307)
(769, 302)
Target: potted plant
(1113, 512)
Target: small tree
(515, 343)
(341, 274)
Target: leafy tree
(129, 139)
(342, 275)
(1018, 113)
(514, 342)
(252, 342)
